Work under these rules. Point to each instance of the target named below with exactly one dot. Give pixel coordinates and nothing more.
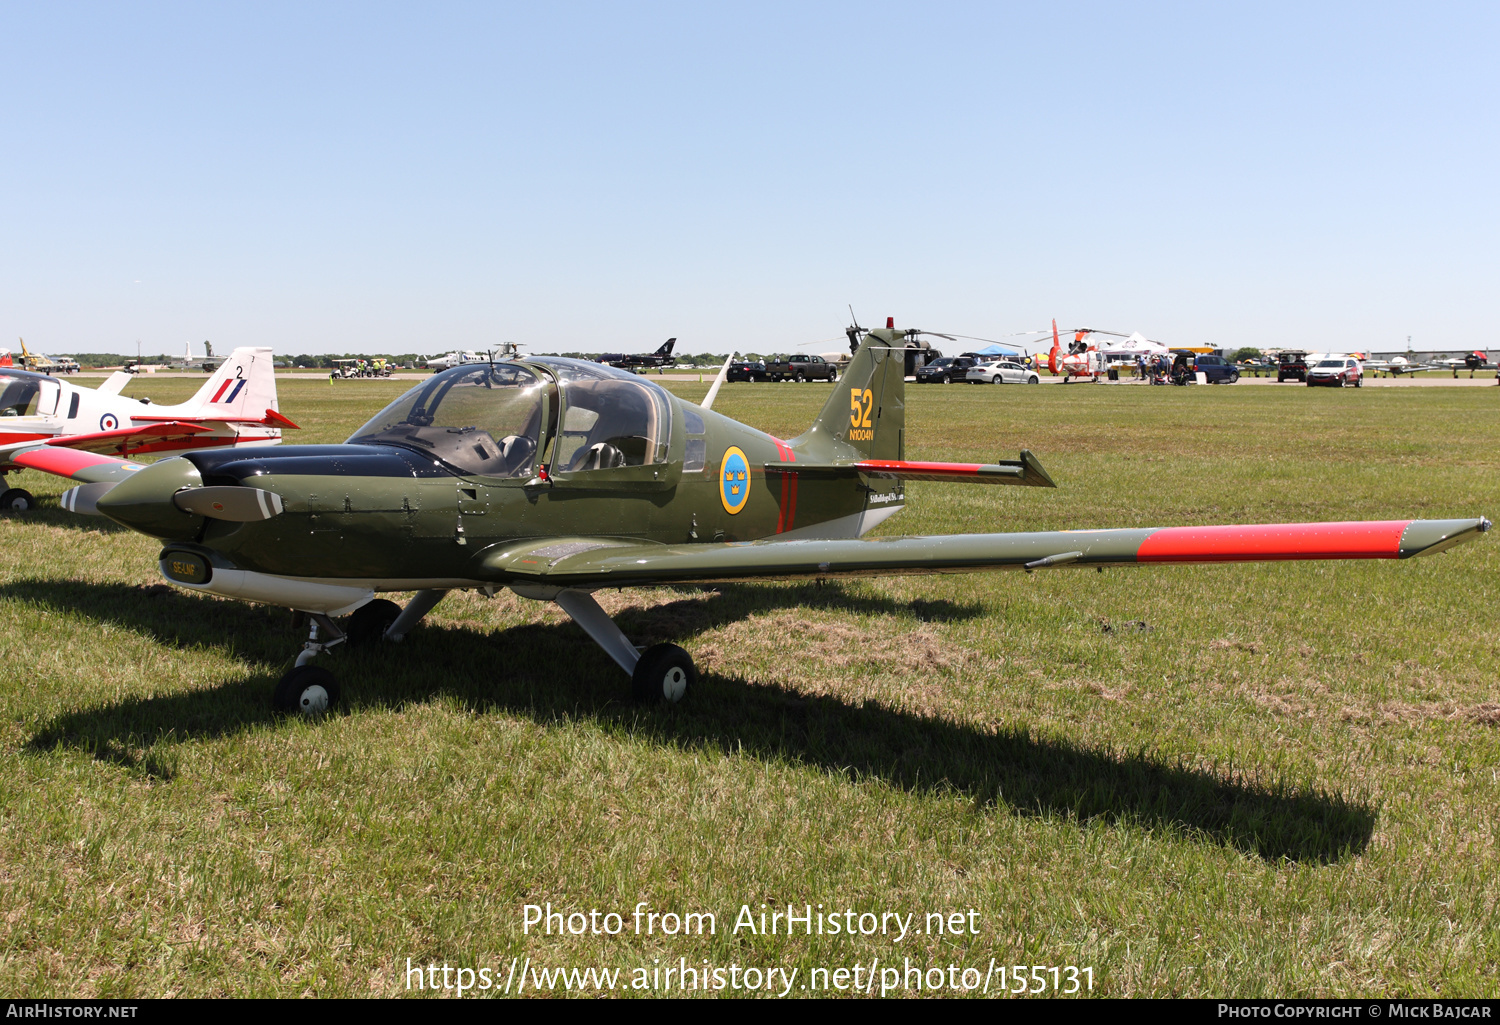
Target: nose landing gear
(307, 689)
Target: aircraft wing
(271, 419)
(88, 467)
(126, 438)
(157, 433)
(587, 562)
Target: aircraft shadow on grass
(50, 514)
(516, 671)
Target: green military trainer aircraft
(556, 477)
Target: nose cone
(143, 501)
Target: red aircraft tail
(1056, 344)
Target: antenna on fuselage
(713, 391)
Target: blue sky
(415, 178)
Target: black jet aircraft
(555, 477)
(643, 360)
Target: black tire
(664, 675)
(1234, 378)
(1033, 379)
(1359, 382)
(368, 624)
(833, 378)
(997, 379)
(17, 500)
(306, 690)
(801, 379)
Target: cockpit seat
(516, 451)
(600, 456)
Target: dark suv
(746, 370)
(1215, 369)
(946, 370)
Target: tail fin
(1056, 345)
(865, 417)
(666, 349)
(243, 386)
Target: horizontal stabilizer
(1026, 471)
(125, 439)
(271, 419)
(612, 562)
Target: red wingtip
(273, 417)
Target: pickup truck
(800, 367)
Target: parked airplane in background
(208, 363)
(1395, 366)
(40, 416)
(662, 357)
(1471, 362)
(456, 359)
(38, 363)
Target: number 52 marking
(862, 403)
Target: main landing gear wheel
(663, 676)
(306, 690)
(17, 500)
(368, 624)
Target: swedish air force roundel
(734, 480)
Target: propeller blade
(235, 504)
(84, 500)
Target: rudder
(865, 417)
(243, 386)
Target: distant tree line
(93, 360)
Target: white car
(1001, 371)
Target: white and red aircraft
(1090, 359)
(50, 425)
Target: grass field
(1219, 780)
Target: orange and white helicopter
(1089, 360)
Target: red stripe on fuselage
(788, 488)
(1379, 539)
(220, 391)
